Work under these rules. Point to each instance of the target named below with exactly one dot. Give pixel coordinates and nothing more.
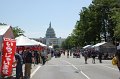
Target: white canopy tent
(35, 42)
(96, 46)
(39, 43)
(51, 47)
(118, 47)
(24, 41)
(99, 44)
(3, 29)
(87, 46)
(43, 44)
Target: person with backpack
(19, 63)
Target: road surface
(74, 68)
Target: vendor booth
(87, 47)
(23, 42)
(106, 48)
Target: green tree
(17, 31)
(117, 28)
(107, 9)
(3, 24)
(100, 20)
(68, 43)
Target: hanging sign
(9, 48)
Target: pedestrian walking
(19, 63)
(68, 54)
(43, 56)
(36, 56)
(52, 53)
(93, 54)
(100, 56)
(85, 54)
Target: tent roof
(43, 44)
(39, 43)
(24, 41)
(87, 46)
(118, 47)
(51, 47)
(3, 29)
(35, 42)
(99, 44)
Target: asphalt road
(74, 68)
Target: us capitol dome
(50, 38)
(50, 33)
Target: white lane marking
(110, 67)
(77, 69)
(35, 71)
(71, 65)
(85, 75)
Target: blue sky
(34, 16)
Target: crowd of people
(28, 57)
(88, 53)
(94, 55)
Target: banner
(9, 48)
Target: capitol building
(50, 38)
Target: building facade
(51, 38)
(50, 33)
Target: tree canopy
(100, 21)
(17, 31)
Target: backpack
(114, 61)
